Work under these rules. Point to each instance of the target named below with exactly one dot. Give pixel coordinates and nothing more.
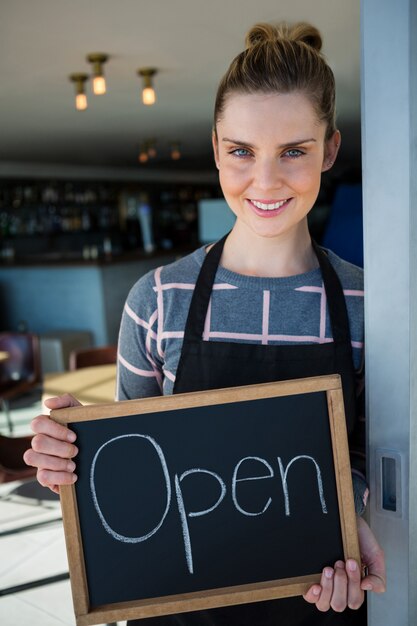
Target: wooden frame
(207, 599)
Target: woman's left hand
(342, 586)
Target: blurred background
(97, 189)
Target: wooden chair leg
(5, 407)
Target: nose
(268, 174)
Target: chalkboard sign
(207, 499)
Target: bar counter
(73, 294)
(56, 259)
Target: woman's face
(270, 150)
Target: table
(90, 385)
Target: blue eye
(240, 152)
(294, 153)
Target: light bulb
(148, 92)
(99, 85)
(79, 81)
(80, 101)
(175, 154)
(148, 96)
(143, 157)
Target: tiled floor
(35, 553)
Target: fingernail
(328, 572)
(339, 564)
(74, 478)
(70, 466)
(71, 436)
(316, 591)
(352, 566)
(367, 587)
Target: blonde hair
(282, 59)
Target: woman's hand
(342, 586)
(373, 558)
(53, 447)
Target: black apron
(207, 365)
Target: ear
(215, 148)
(331, 148)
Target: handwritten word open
(184, 514)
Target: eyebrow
(298, 142)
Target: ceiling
(190, 41)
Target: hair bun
(308, 34)
(261, 33)
(302, 31)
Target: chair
(12, 465)
(20, 372)
(28, 494)
(88, 357)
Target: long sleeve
(139, 369)
(357, 446)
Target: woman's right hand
(53, 447)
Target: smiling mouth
(270, 206)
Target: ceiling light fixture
(80, 97)
(175, 151)
(143, 154)
(152, 148)
(99, 82)
(148, 92)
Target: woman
(263, 304)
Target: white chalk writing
(181, 505)
(107, 526)
(183, 514)
(239, 480)
(284, 474)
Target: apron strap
(202, 292)
(194, 327)
(336, 302)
